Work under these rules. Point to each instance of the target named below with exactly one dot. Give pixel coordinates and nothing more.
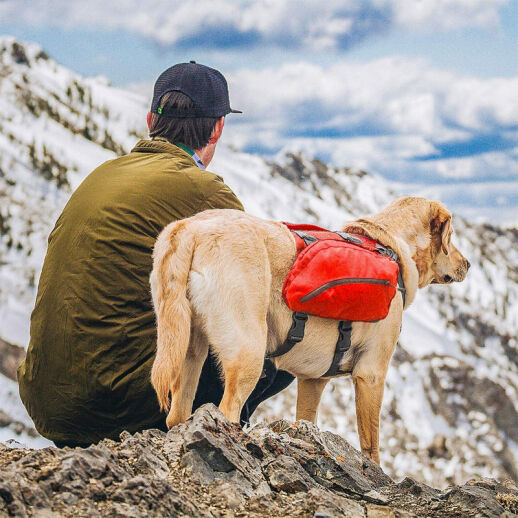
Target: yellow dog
(217, 279)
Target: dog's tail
(172, 257)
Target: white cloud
(447, 14)
(401, 95)
(287, 23)
(398, 117)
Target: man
(93, 338)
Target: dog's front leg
(309, 392)
(369, 394)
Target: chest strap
(343, 344)
(401, 286)
(295, 334)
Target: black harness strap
(385, 250)
(295, 334)
(343, 344)
(401, 285)
(347, 237)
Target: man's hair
(193, 132)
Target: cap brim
(236, 111)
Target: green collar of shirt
(187, 149)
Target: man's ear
(441, 226)
(217, 130)
(149, 115)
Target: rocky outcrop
(211, 467)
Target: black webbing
(305, 237)
(295, 334)
(342, 346)
(348, 237)
(385, 250)
(401, 285)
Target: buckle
(296, 332)
(344, 339)
(348, 237)
(385, 250)
(305, 237)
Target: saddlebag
(341, 276)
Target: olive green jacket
(93, 335)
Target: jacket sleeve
(223, 198)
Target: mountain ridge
(449, 410)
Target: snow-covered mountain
(450, 407)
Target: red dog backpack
(341, 276)
(346, 277)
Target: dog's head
(438, 260)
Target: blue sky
(423, 92)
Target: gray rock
(216, 448)
(10, 357)
(286, 474)
(329, 505)
(210, 467)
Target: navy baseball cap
(206, 87)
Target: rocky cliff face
(209, 467)
(450, 407)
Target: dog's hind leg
(242, 372)
(186, 383)
(237, 334)
(309, 392)
(230, 294)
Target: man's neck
(206, 153)
(191, 153)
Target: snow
(11, 405)
(457, 343)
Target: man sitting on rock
(93, 337)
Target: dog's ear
(441, 225)
(446, 235)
